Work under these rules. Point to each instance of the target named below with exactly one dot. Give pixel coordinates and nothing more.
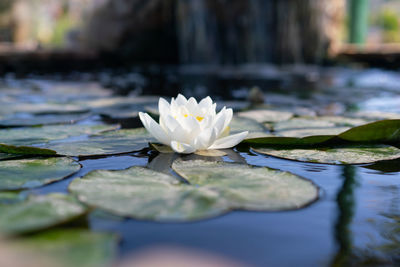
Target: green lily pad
(71, 247)
(108, 143)
(8, 150)
(317, 123)
(302, 123)
(339, 155)
(312, 131)
(213, 189)
(379, 131)
(44, 134)
(239, 124)
(29, 173)
(114, 107)
(247, 187)
(145, 194)
(38, 213)
(265, 115)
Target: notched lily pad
(145, 194)
(340, 155)
(71, 247)
(247, 187)
(38, 213)
(29, 173)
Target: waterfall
(224, 32)
(256, 31)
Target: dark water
(354, 221)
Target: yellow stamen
(199, 118)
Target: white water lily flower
(187, 126)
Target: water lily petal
(168, 123)
(205, 103)
(229, 141)
(154, 128)
(190, 123)
(163, 107)
(219, 121)
(228, 117)
(205, 139)
(181, 100)
(182, 147)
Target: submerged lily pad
(145, 194)
(340, 155)
(38, 212)
(29, 173)
(71, 247)
(247, 187)
(213, 189)
(109, 143)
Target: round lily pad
(38, 212)
(145, 194)
(212, 189)
(340, 155)
(71, 247)
(29, 173)
(109, 143)
(247, 187)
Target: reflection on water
(346, 202)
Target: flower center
(197, 117)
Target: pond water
(356, 217)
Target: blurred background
(197, 46)
(201, 31)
